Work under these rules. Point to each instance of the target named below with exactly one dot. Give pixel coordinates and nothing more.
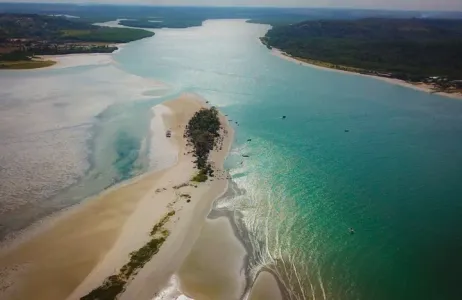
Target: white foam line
(322, 286)
(171, 292)
(300, 284)
(266, 234)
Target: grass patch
(75, 32)
(140, 257)
(115, 284)
(112, 286)
(162, 222)
(106, 34)
(201, 176)
(25, 64)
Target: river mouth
(352, 152)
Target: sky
(447, 5)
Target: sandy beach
(73, 252)
(418, 86)
(74, 60)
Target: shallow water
(68, 133)
(394, 176)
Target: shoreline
(60, 61)
(419, 87)
(77, 59)
(56, 261)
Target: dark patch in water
(127, 149)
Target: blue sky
(387, 4)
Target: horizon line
(228, 6)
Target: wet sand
(265, 287)
(214, 269)
(72, 253)
(76, 60)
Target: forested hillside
(410, 49)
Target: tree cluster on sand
(203, 133)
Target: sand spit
(75, 251)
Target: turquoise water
(394, 176)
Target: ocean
(352, 152)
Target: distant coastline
(420, 86)
(22, 48)
(58, 60)
(418, 53)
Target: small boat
(245, 155)
(351, 230)
(168, 133)
(249, 140)
(283, 117)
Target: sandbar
(72, 253)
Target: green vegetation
(162, 222)
(26, 64)
(409, 49)
(32, 27)
(202, 133)
(21, 61)
(115, 284)
(201, 176)
(37, 27)
(112, 286)
(106, 35)
(181, 17)
(23, 36)
(75, 32)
